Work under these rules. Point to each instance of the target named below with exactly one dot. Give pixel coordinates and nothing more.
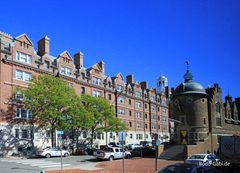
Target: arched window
(217, 108)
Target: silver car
(202, 158)
(52, 152)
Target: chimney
(78, 60)
(130, 79)
(44, 46)
(102, 66)
(144, 85)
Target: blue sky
(141, 37)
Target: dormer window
(138, 94)
(119, 88)
(96, 81)
(46, 64)
(66, 71)
(22, 57)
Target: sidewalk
(136, 165)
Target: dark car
(143, 152)
(189, 168)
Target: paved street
(33, 165)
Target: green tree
(52, 102)
(101, 116)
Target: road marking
(37, 163)
(49, 166)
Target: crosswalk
(37, 163)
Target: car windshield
(197, 156)
(178, 169)
(108, 149)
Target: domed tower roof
(189, 86)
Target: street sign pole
(122, 139)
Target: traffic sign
(122, 136)
(60, 132)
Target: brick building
(201, 116)
(143, 108)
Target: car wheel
(128, 156)
(66, 155)
(111, 158)
(48, 155)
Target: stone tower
(162, 82)
(189, 110)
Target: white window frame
(96, 93)
(23, 57)
(20, 114)
(22, 75)
(119, 88)
(121, 111)
(138, 115)
(96, 81)
(138, 104)
(66, 71)
(121, 100)
(138, 94)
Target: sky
(146, 38)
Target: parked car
(143, 152)
(52, 152)
(202, 158)
(189, 168)
(133, 146)
(146, 143)
(110, 153)
(114, 144)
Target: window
(66, 71)
(131, 136)
(154, 126)
(119, 88)
(138, 125)
(97, 93)
(96, 81)
(138, 94)
(109, 97)
(121, 111)
(130, 113)
(145, 106)
(153, 108)
(218, 121)
(84, 134)
(138, 104)
(130, 124)
(24, 76)
(138, 115)
(17, 133)
(146, 126)
(146, 116)
(204, 121)
(46, 64)
(164, 119)
(152, 98)
(23, 114)
(22, 57)
(25, 133)
(82, 90)
(164, 110)
(19, 95)
(129, 101)
(139, 136)
(121, 100)
(217, 108)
